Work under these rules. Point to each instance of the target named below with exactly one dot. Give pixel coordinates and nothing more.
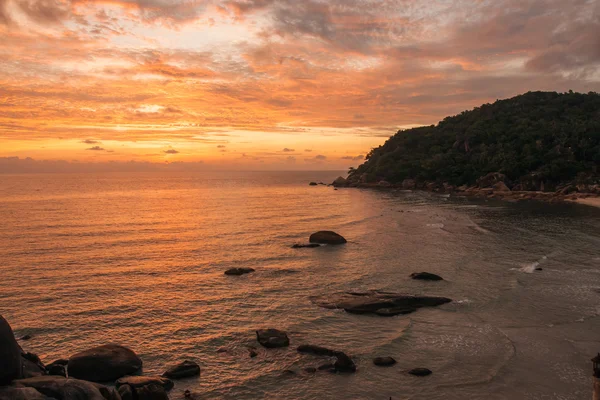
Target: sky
(268, 84)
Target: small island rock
(426, 276)
(272, 338)
(326, 237)
(239, 271)
(185, 369)
(104, 363)
(384, 361)
(344, 363)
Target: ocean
(138, 259)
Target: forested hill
(546, 137)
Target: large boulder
(61, 388)
(31, 366)
(379, 303)
(182, 370)
(21, 393)
(339, 181)
(10, 354)
(272, 338)
(426, 276)
(326, 237)
(104, 363)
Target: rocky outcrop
(384, 361)
(379, 303)
(339, 181)
(239, 271)
(426, 276)
(182, 370)
(326, 237)
(104, 363)
(10, 354)
(272, 338)
(61, 388)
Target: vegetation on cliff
(538, 137)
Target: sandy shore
(590, 201)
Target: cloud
(171, 151)
(96, 148)
(353, 158)
(307, 150)
(320, 157)
(286, 150)
(221, 146)
(89, 141)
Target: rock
(339, 181)
(56, 370)
(326, 367)
(31, 366)
(252, 353)
(310, 370)
(25, 337)
(420, 372)
(426, 276)
(379, 303)
(539, 269)
(109, 393)
(185, 369)
(10, 354)
(500, 187)
(222, 350)
(409, 184)
(313, 184)
(490, 179)
(239, 271)
(272, 338)
(21, 393)
(126, 392)
(150, 392)
(62, 388)
(288, 372)
(60, 361)
(104, 363)
(384, 184)
(137, 381)
(326, 237)
(384, 361)
(307, 245)
(316, 350)
(344, 363)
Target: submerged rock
(326, 237)
(307, 245)
(426, 276)
(420, 372)
(239, 271)
(104, 363)
(10, 354)
(384, 361)
(379, 303)
(316, 350)
(140, 381)
(272, 338)
(185, 369)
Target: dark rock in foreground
(10, 354)
(307, 245)
(239, 271)
(185, 369)
(104, 363)
(31, 366)
(426, 276)
(272, 338)
(384, 361)
(21, 393)
(58, 387)
(379, 303)
(136, 382)
(326, 237)
(420, 372)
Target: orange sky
(272, 84)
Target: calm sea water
(138, 259)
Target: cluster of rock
(492, 185)
(83, 376)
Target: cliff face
(536, 141)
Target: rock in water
(104, 363)
(340, 181)
(379, 303)
(184, 370)
(420, 372)
(58, 387)
(313, 184)
(316, 350)
(426, 276)
(140, 381)
(344, 363)
(326, 237)
(308, 245)
(150, 392)
(272, 338)
(384, 361)
(10, 354)
(239, 271)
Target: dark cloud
(286, 150)
(320, 157)
(353, 158)
(221, 146)
(171, 151)
(96, 148)
(307, 150)
(89, 141)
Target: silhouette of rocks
(340, 181)
(426, 276)
(59, 387)
(326, 237)
(31, 365)
(239, 271)
(104, 363)
(182, 370)
(10, 354)
(272, 338)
